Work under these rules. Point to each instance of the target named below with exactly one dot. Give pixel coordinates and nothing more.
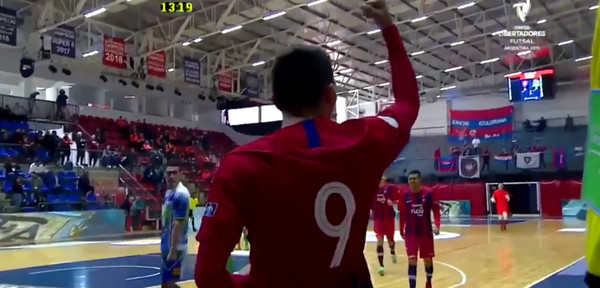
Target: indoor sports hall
(100, 96)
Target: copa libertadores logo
(522, 37)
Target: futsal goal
(525, 199)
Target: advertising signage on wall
(63, 41)
(8, 26)
(114, 53)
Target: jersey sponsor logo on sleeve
(211, 209)
(389, 120)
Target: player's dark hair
(300, 77)
(415, 172)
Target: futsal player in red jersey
(501, 198)
(304, 192)
(384, 219)
(416, 206)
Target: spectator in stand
(437, 154)
(146, 148)
(32, 109)
(81, 143)
(108, 156)
(128, 160)
(137, 209)
(65, 150)
(541, 124)
(61, 105)
(11, 166)
(454, 151)
(17, 192)
(569, 124)
(37, 169)
(19, 112)
(542, 151)
(28, 148)
(190, 152)
(466, 149)
(475, 143)
(99, 136)
(173, 136)
(94, 151)
(485, 156)
(84, 184)
(160, 143)
(123, 126)
(154, 174)
(169, 151)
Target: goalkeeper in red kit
(294, 189)
(416, 206)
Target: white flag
(469, 167)
(529, 160)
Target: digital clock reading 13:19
(176, 7)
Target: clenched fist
(378, 11)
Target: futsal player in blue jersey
(175, 227)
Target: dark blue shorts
(171, 270)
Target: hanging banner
(491, 124)
(469, 167)
(191, 70)
(225, 80)
(156, 65)
(447, 164)
(251, 87)
(114, 53)
(8, 26)
(528, 160)
(63, 41)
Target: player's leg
(427, 253)
(504, 219)
(500, 218)
(412, 250)
(380, 232)
(391, 230)
(171, 270)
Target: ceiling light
(417, 53)
(353, 91)
(583, 58)
(457, 43)
(40, 88)
(197, 40)
(466, 5)
(384, 84)
(419, 76)
(453, 69)
(447, 88)
(594, 7)
(438, 96)
(499, 32)
(274, 15)
(90, 53)
(129, 97)
(523, 53)
(565, 42)
(316, 2)
(489, 61)
(542, 21)
(94, 12)
(231, 29)
(373, 32)
(336, 42)
(258, 63)
(346, 71)
(418, 19)
(512, 74)
(170, 69)
(381, 62)
(186, 43)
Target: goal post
(525, 197)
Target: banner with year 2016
(114, 53)
(63, 41)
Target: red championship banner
(156, 65)
(114, 53)
(226, 81)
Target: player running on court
(384, 220)
(304, 192)
(501, 198)
(416, 206)
(175, 227)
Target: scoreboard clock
(176, 7)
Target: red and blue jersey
(382, 211)
(415, 213)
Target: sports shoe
(428, 285)
(394, 259)
(381, 272)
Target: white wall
(432, 119)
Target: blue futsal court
(123, 272)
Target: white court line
(553, 273)
(463, 276)
(94, 267)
